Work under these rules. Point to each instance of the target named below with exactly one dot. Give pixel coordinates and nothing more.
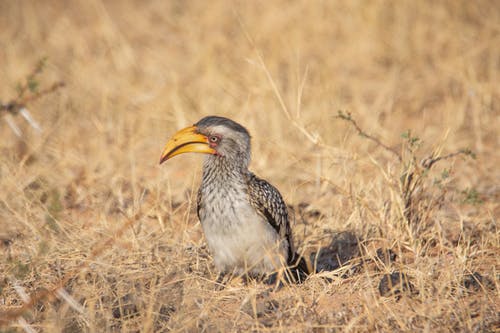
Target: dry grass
(135, 72)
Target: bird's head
(218, 136)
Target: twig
(30, 82)
(17, 104)
(347, 117)
(413, 173)
(428, 162)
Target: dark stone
(386, 255)
(125, 307)
(343, 248)
(166, 312)
(395, 284)
(476, 282)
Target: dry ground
(137, 71)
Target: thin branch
(30, 82)
(428, 162)
(347, 117)
(14, 106)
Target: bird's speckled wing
(198, 204)
(267, 200)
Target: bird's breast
(236, 234)
(224, 209)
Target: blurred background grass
(137, 71)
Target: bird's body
(244, 218)
(239, 236)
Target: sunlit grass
(135, 73)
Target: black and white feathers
(244, 218)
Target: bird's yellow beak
(187, 140)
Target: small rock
(343, 247)
(125, 307)
(166, 312)
(386, 255)
(395, 284)
(476, 282)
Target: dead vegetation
(388, 206)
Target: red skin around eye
(214, 144)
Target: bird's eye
(214, 139)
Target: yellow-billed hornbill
(244, 218)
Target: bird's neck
(224, 170)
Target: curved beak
(187, 140)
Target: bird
(244, 218)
